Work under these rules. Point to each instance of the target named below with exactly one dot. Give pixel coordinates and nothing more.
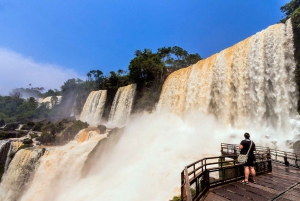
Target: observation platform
(283, 183)
(219, 178)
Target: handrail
(287, 158)
(198, 177)
(284, 157)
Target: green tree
(146, 67)
(289, 8)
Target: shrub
(23, 146)
(38, 126)
(78, 125)
(27, 141)
(33, 135)
(28, 126)
(49, 128)
(11, 126)
(46, 138)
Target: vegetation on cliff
(292, 10)
(147, 69)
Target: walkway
(282, 184)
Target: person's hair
(247, 135)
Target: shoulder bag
(243, 158)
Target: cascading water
(252, 80)
(247, 87)
(14, 146)
(122, 105)
(73, 113)
(60, 165)
(15, 179)
(50, 101)
(93, 108)
(4, 148)
(250, 84)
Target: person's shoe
(244, 182)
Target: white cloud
(17, 71)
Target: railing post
(270, 160)
(286, 163)
(183, 194)
(187, 185)
(206, 179)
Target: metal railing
(287, 158)
(205, 173)
(283, 157)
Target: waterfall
(14, 146)
(61, 165)
(17, 176)
(73, 110)
(93, 108)
(250, 83)
(4, 148)
(49, 101)
(19, 127)
(122, 105)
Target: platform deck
(283, 183)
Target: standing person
(249, 165)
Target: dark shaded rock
(102, 129)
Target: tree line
(147, 69)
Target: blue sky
(78, 36)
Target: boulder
(296, 146)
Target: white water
(14, 146)
(247, 86)
(49, 101)
(215, 101)
(93, 108)
(2, 144)
(73, 107)
(19, 172)
(122, 105)
(3, 151)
